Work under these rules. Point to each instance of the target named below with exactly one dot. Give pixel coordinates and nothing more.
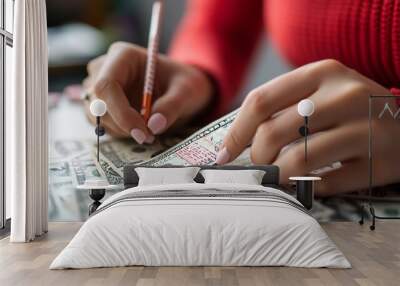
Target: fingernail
(138, 135)
(149, 139)
(222, 157)
(157, 123)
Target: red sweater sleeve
(219, 36)
(396, 91)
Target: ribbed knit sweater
(220, 37)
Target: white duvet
(201, 224)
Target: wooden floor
(375, 257)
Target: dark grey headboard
(271, 176)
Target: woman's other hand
(180, 92)
(269, 120)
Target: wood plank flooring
(375, 257)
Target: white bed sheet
(190, 231)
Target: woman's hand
(180, 92)
(268, 118)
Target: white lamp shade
(98, 107)
(305, 107)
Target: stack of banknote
(72, 162)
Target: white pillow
(248, 177)
(163, 176)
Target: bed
(201, 224)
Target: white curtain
(26, 123)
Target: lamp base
(305, 190)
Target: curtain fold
(26, 123)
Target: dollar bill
(84, 167)
(201, 148)
(59, 169)
(112, 176)
(118, 153)
(68, 148)
(75, 170)
(60, 174)
(72, 162)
